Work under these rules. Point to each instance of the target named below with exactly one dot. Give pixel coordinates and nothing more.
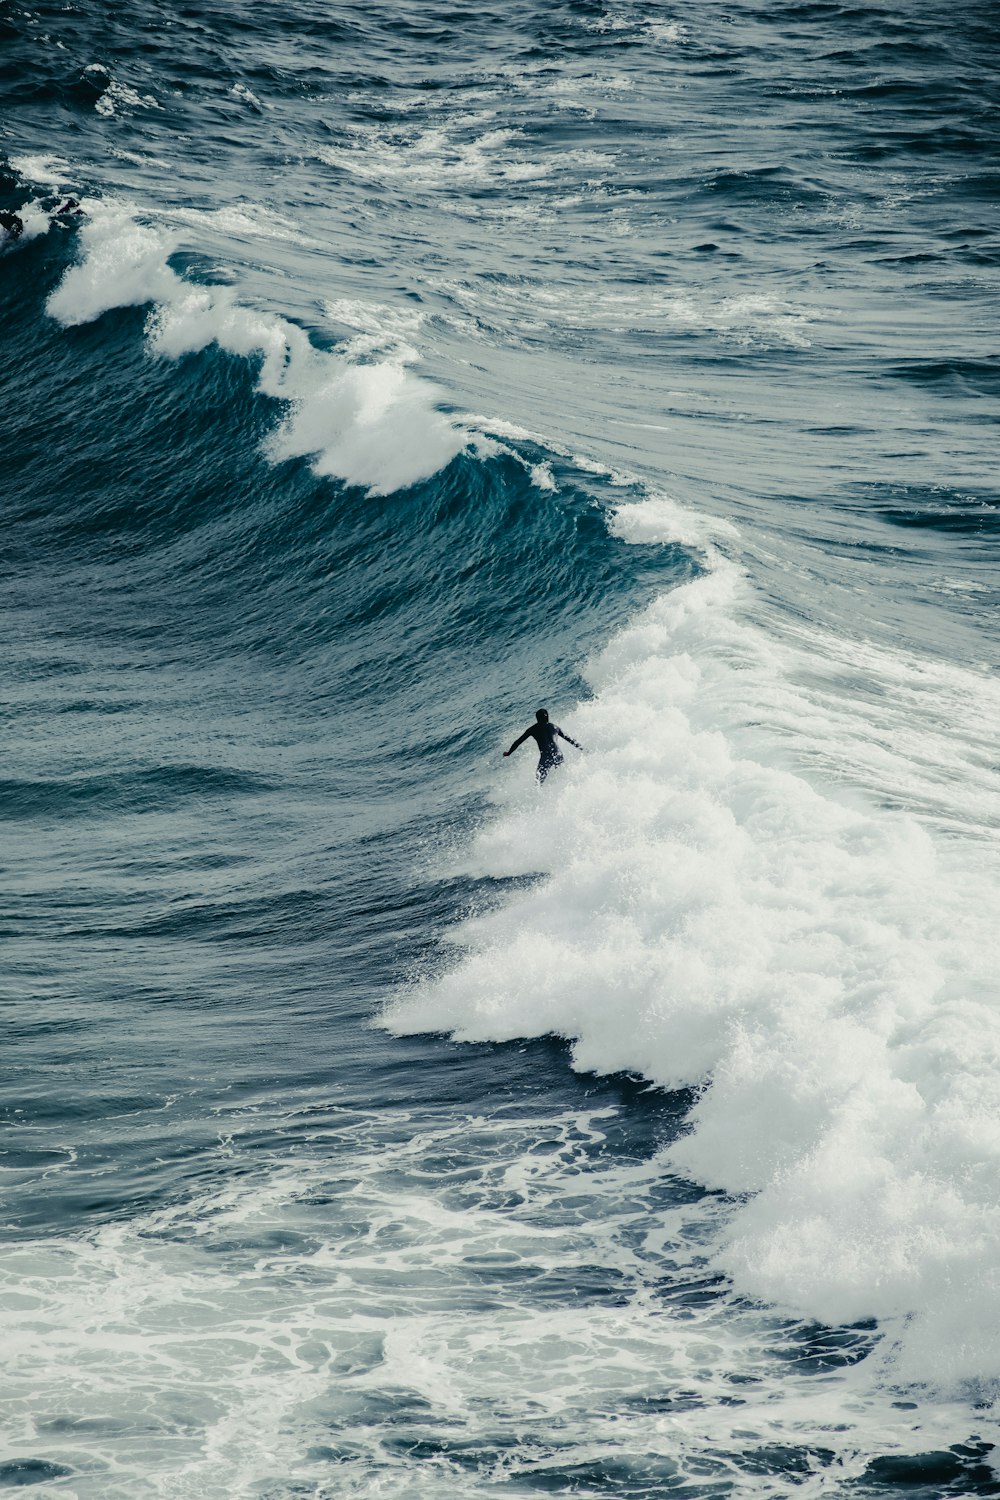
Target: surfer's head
(542, 715)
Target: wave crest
(819, 971)
(375, 425)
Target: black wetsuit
(544, 736)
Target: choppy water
(378, 1123)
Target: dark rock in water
(67, 213)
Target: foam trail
(823, 972)
(373, 425)
(46, 171)
(234, 1379)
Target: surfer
(544, 735)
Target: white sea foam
(34, 221)
(373, 424)
(610, 22)
(293, 1327)
(140, 158)
(124, 265)
(243, 222)
(658, 518)
(47, 171)
(118, 96)
(542, 477)
(247, 96)
(664, 31)
(613, 22)
(377, 330)
(460, 150)
(822, 971)
(751, 321)
(115, 95)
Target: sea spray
(821, 972)
(371, 424)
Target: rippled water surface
(379, 1123)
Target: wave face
(380, 1121)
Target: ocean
(379, 1122)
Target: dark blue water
(376, 1121)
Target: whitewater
(382, 1122)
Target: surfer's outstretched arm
(519, 741)
(567, 737)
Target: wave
(819, 970)
(146, 791)
(375, 425)
(981, 377)
(330, 1247)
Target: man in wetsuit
(544, 735)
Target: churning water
(379, 1123)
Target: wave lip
(375, 425)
